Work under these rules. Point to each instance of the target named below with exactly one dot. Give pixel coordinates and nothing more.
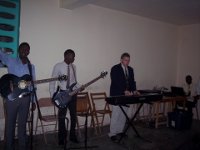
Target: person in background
(191, 93)
(122, 83)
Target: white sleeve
(52, 84)
(4, 57)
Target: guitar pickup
(24, 94)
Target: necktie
(127, 82)
(68, 76)
(126, 73)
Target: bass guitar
(13, 87)
(62, 98)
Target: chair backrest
(98, 99)
(83, 102)
(46, 103)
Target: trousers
(61, 120)
(16, 110)
(118, 120)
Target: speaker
(180, 119)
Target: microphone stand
(36, 100)
(86, 147)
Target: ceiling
(179, 12)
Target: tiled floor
(162, 138)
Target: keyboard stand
(130, 123)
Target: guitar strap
(30, 70)
(31, 74)
(33, 86)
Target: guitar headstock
(103, 74)
(62, 77)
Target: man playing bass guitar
(68, 68)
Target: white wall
(99, 36)
(188, 61)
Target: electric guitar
(62, 98)
(13, 87)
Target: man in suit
(122, 83)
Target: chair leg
(94, 124)
(78, 127)
(36, 127)
(102, 119)
(43, 132)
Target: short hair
(24, 44)
(69, 51)
(125, 55)
(188, 77)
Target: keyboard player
(122, 83)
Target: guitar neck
(45, 80)
(91, 82)
(84, 86)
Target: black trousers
(17, 109)
(61, 120)
(190, 105)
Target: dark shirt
(118, 80)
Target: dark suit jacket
(118, 80)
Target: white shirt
(62, 69)
(125, 69)
(190, 88)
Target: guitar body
(9, 86)
(62, 98)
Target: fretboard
(45, 80)
(84, 86)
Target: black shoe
(61, 143)
(114, 138)
(74, 140)
(122, 135)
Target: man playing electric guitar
(68, 68)
(19, 108)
